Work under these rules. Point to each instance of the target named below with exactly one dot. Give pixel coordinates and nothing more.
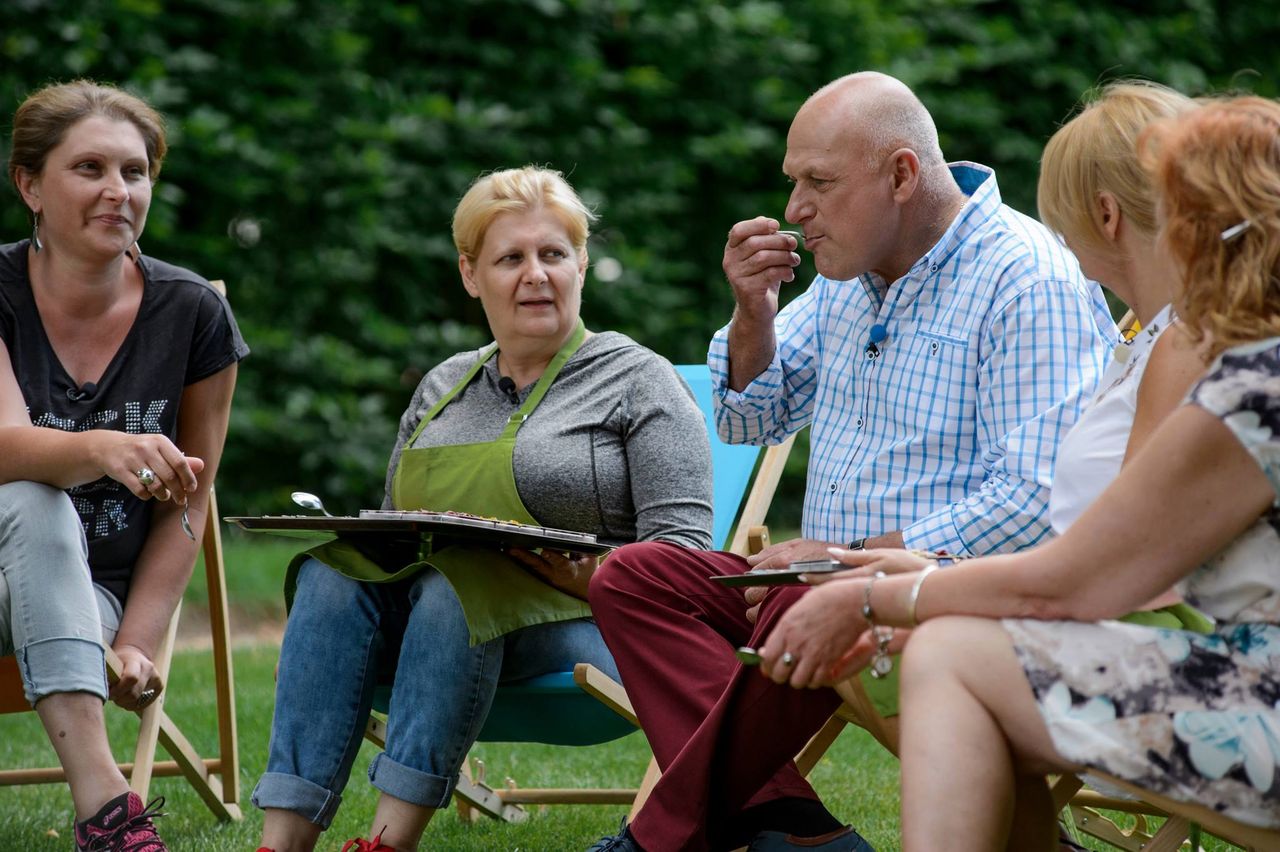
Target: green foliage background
(318, 148)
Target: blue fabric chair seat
(549, 708)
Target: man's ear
(468, 277)
(1108, 213)
(905, 175)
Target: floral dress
(1191, 716)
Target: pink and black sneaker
(123, 825)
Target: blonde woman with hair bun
(1094, 192)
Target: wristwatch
(857, 544)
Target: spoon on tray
(308, 500)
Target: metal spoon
(309, 501)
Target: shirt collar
(979, 183)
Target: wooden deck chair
(585, 706)
(216, 780)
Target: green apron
(498, 595)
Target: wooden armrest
(757, 539)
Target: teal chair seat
(549, 708)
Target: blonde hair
(1215, 168)
(1096, 151)
(518, 191)
(43, 119)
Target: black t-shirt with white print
(184, 332)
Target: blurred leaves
(318, 149)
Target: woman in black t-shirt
(116, 377)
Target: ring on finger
(146, 697)
(787, 658)
(145, 475)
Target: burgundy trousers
(723, 734)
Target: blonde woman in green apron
(550, 424)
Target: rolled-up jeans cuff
(62, 665)
(410, 785)
(291, 793)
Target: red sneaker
(123, 825)
(359, 844)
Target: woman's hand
(867, 562)
(817, 641)
(567, 573)
(139, 682)
(121, 456)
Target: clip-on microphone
(507, 386)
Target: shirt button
(933, 268)
(833, 488)
(859, 421)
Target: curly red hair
(1215, 168)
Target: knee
(41, 520)
(626, 571)
(36, 504)
(324, 593)
(936, 649)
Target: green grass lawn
(858, 780)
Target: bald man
(944, 349)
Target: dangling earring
(35, 233)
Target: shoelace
(359, 844)
(135, 834)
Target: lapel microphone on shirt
(85, 391)
(507, 386)
(878, 335)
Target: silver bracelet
(881, 662)
(915, 592)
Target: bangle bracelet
(881, 662)
(915, 592)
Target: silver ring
(787, 658)
(145, 475)
(146, 697)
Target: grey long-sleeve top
(617, 447)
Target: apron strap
(571, 346)
(485, 354)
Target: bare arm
(1210, 491)
(757, 259)
(164, 565)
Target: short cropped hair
(1216, 169)
(1096, 151)
(43, 119)
(518, 191)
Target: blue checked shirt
(995, 343)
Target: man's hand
(757, 259)
(777, 557)
(569, 574)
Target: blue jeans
(342, 635)
(53, 618)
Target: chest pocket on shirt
(938, 369)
